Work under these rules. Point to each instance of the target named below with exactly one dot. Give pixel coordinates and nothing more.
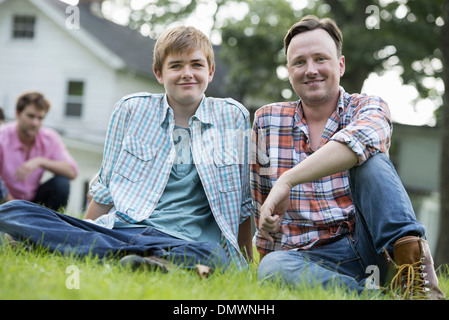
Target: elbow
(72, 174)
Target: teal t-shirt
(183, 210)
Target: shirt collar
(165, 110)
(15, 142)
(299, 114)
(202, 113)
(341, 101)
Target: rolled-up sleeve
(369, 130)
(99, 187)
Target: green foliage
(253, 49)
(378, 36)
(404, 37)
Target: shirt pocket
(227, 171)
(134, 159)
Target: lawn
(37, 274)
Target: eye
(175, 66)
(321, 59)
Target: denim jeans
(384, 214)
(38, 225)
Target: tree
(378, 36)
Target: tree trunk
(442, 252)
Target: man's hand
(61, 168)
(274, 208)
(23, 172)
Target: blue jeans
(38, 225)
(384, 214)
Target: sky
(388, 86)
(400, 99)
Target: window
(23, 27)
(74, 100)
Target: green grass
(37, 274)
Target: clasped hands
(273, 209)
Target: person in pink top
(27, 150)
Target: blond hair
(181, 39)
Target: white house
(83, 64)
(416, 154)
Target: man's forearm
(331, 158)
(61, 168)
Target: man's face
(314, 67)
(185, 77)
(29, 121)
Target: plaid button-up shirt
(139, 154)
(321, 210)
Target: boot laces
(410, 281)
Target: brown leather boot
(415, 273)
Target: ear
(289, 74)
(211, 74)
(159, 76)
(342, 66)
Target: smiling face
(185, 77)
(314, 67)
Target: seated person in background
(174, 181)
(27, 150)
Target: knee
(214, 255)
(271, 266)
(12, 205)
(220, 257)
(378, 162)
(13, 211)
(61, 185)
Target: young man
(328, 200)
(27, 150)
(174, 183)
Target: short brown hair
(310, 23)
(35, 98)
(181, 39)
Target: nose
(187, 74)
(311, 69)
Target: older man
(329, 203)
